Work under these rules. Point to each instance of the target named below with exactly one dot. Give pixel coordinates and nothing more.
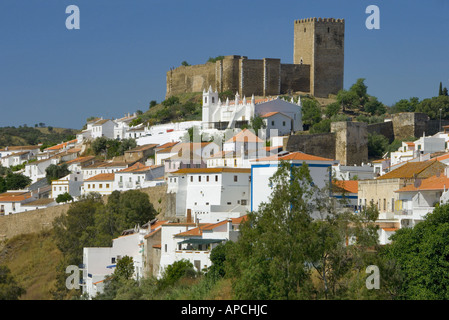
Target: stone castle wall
(318, 67)
(261, 77)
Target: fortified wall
(263, 77)
(318, 67)
(348, 141)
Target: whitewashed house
(71, 184)
(122, 125)
(363, 172)
(102, 128)
(264, 168)
(194, 241)
(12, 202)
(138, 176)
(34, 150)
(38, 204)
(420, 198)
(189, 155)
(222, 115)
(208, 194)
(102, 183)
(99, 167)
(36, 170)
(16, 158)
(100, 262)
(277, 122)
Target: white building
(418, 199)
(100, 167)
(102, 183)
(207, 193)
(363, 172)
(122, 125)
(34, 150)
(187, 155)
(138, 176)
(71, 184)
(12, 202)
(194, 242)
(36, 170)
(216, 113)
(100, 262)
(101, 128)
(263, 169)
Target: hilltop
(23, 135)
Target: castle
(317, 69)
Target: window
(191, 178)
(283, 123)
(272, 122)
(216, 178)
(229, 203)
(165, 248)
(88, 186)
(112, 260)
(199, 178)
(107, 185)
(101, 186)
(243, 202)
(207, 178)
(235, 162)
(235, 178)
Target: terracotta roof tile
(211, 170)
(410, 170)
(294, 156)
(245, 136)
(351, 186)
(432, 183)
(102, 177)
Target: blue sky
(117, 62)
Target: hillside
(12, 136)
(32, 259)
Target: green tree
(347, 99)
(64, 197)
(174, 272)
(332, 109)
(152, 104)
(374, 106)
(55, 172)
(422, 255)
(9, 288)
(311, 112)
(377, 145)
(440, 90)
(270, 254)
(432, 106)
(185, 63)
(16, 181)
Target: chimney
(189, 215)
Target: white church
(277, 113)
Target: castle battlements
(327, 20)
(317, 69)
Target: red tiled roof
(408, 170)
(211, 170)
(351, 186)
(245, 136)
(102, 177)
(430, 184)
(294, 156)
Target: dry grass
(32, 259)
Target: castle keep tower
(319, 42)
